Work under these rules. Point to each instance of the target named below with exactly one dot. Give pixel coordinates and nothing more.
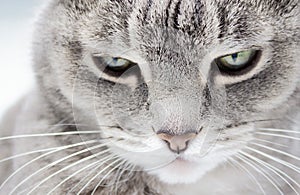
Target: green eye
(116, 64)
(113, 66)
(237, 61)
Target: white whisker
(106, 175)
(62, 121)
(292, 120)
(53, 164)
(44, 155)
(67, 167)
(278, 135)
(99, 173)
(280, 130)
(97, 166)
(125, 180)
(287, 164)
(125, 167)
(119, 174)
(274, 170)
(270, 142)
(252, 177)
(278, 151)
(266, 175)
(49, 134)
(27, 153)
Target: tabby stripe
(207, 97)
(167, 13)
(222, 16)
(147, 9)
(176, 14)
(241, 25)
(199, 13)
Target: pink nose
(177, 143)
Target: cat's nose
(177, 143)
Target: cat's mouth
(181, 163)
(180, 170)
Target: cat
(159, 97)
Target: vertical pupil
(115, 60)
(234, 57)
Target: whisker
(247, 122)
(49, 134)
(119, 174)
(287, 164)
(82, 125)
(43, 155)
(249, 173)
(106, 175)
(269, 142)
(93, 178)
(97, 166)
(278, 135)
(67, 167)
(123, 168)
(292, 120)
(274, 170)
(27, 153)
(55, 163)
(263, 173)
(61, 122)
(125, 180)
(278, 151)
(280, 130)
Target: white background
(17, 20)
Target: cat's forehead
(206, 22)
(184, 11)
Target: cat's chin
(180, 172)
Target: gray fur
(179, 90)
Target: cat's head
(177, 87)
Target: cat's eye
(113, 66)
(237, 62)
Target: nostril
(177, 143)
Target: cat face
(176, 87)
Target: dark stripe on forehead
(189, 25)
(199, 11)
(223, 20)
(198, 22)
(176, 14)
(147, 9)
(242, 28)
(241, 24)
(237, 18)
(168, 13)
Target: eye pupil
(115, 60)
(234, 57)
